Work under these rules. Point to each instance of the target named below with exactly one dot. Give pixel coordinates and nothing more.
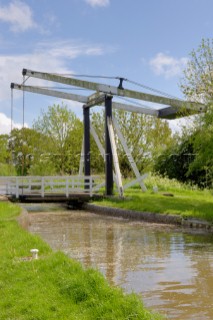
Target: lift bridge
(102, 94)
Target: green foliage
(54, 286)
(197, 84)
(185, 201)
(6, 167)
(54, 144)
(64, 132)
(145, 136)
(43, 167)
(203, 148)
(26, 146)
(7, 170)
(4, 154)
(176, 163)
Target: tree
(176, 160)
(203, 148)
(145, 136)
(197, 85)
(6, 167)
(64, 132)
(27, 147)
(4, 155)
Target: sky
(145, 41)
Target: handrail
(46, 185)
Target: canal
(171, 269)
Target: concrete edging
(150, 217)
(24, 218)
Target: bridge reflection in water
(171, 270)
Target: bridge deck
(51, 189)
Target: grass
(54, 286)
(186, 201)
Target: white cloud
(168, 66)
(47, 57)
(5, 124)
(11, 68)
(70, 50)
(18, 15)
(98, 3)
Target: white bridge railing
(50, 185)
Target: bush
(7, 170)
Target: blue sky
(145, 41)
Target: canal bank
(150, 217)
(54, 286)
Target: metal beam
(97, 99)
(86, 145)
(98, 142)
(88, 101)
(48, 92)
(170, 113)
(94, 86)
(131, 108)
(128, 154)
(115, 157)
(108, 148)
(101, 149)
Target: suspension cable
(136, 103)
(152, 89)
(127, 80)
(25, 79)
(111, 78)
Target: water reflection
(171, 270)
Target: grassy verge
(54, 286)
(182, 200)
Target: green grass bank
(172, 197)
(54, 286)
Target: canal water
(171, 269)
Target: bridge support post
(108, 148)
(86, 146)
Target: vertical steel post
(86, 145)
(108, 148)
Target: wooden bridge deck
(51, 189)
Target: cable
(24, 80)
(136, 103)
(152, 89)
(112, 78)
(127, 80)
